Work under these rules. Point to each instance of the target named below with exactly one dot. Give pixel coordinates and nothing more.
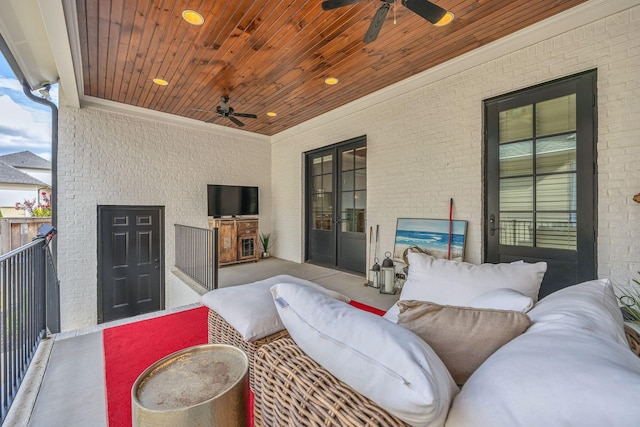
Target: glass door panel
(541, 179)
(336, 203)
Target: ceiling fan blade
(429, 11)
(376, 23)
(250, 116)
(236, 121)
(213, 119)
(334, 4)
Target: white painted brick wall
(426, 146)
(108, 158)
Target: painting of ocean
(430, 235)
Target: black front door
(541, 179)
(130, 261)
(336, 201)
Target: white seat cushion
(384, 362)
(249, 308)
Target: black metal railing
(543, 234)
(197, 254)
(29, 289)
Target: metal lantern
(374, 274)
(387, 275)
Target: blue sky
(24, 124)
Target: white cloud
(9, 83)
(22, 128)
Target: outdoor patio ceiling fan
(224, 110)
(429, 11)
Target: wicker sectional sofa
(572, 366)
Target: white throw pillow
(502, 299)
(249, 308)
(384, 362)
(564, 371)
(456, 283)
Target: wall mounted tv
(232, 200)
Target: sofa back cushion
(462, 337)
(457, 283)
(384, 362)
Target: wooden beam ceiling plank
(93, 43)
(144, 26)
(115, 29)
(190, 63)
(197, 74)
(167, 57)
(124, 42)
(83, 37)
(104, 18)
(278, 73)
(162, 16)
(139, 21)
(275, 13)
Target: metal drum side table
(204, 385)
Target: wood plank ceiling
(273, 55)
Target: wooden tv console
(237, 239)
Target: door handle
(492, 225)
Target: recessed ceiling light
(160, 82)
(446, 19)
(271, 114)
(192, 17)
(331, 81)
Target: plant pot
(265, 255)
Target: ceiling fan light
(446, 19)
(272, 113)
(192, 17)
(331, 81)
(429, 11)
(160, 82)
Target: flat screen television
(232, 200)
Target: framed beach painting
(431, 236)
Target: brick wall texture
(108, 158)
(424, 147)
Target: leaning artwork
(439, 238)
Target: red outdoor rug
(132, 348)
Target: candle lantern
(387, 275)
(374, 274)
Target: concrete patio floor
(65, 385)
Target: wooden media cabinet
(237, 239)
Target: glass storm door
(336, 200)
(540, 200)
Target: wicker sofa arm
(221, 332)
(292, 389)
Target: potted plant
(265, 240)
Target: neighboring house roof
(11, 175)
(26, 159)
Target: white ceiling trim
(145, 113)
(56, 28)
(575, 17)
